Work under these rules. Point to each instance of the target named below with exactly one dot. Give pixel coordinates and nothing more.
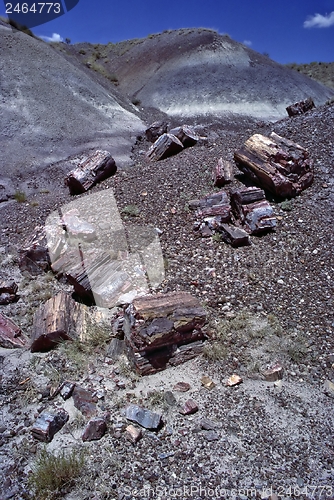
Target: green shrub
(55, 475)
(20, 196)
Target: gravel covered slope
(272, 301)
(51, 109)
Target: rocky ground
(267, 303)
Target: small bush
(20, 196)
(82, 52)
(131, 210)
(55, 475)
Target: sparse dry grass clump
(55, 475)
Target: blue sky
(288, 30)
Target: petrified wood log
(154, 131)
(235, 236)
(60, 318)
(256, 216)
(34, 257)
(156, 326)
(222, 173)
(166, 145)
(186, 135)
(95, 168)
(276, 164)
(10, 334)
(48, 424)
(300, 107)
(212, 205)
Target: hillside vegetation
(320, 71)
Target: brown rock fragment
(300, 107)
(207, 382)
(84, 401)
(181, 387)
(133, 434)
(234, 380)
(10, 334)
(222, 173)
(189, 407)
(186, 135)
(95, 429)
(155, 130)
(274, 373)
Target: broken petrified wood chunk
(133, 434)
(186, 135)
(222, 173)
(94, 169)
(253, 210)
(60, 318)
(47, 424)
(8, 293)
(235, 236)
(189, 407)
(155, 130)
(145, 418)
(166, 145)
(276, 164)
(163, 330)
(300, 107)
(155, 321)
(10, 334)
(34, 256)
(95, 429)
(84, 401)
(214, 204)
(147, 363)
(275, 372)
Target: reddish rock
(84, 401)
(10, 334)
(222, 173)
(34, 256)
(254, 211)
(300, 107)
(181, 387)
(189, 407)
(95, 429)
(275, 372)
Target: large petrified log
(48, 424)
(155, 130)
(276, 164)
(166, 145)
(60, 318)
(157, 326)
(300, 107)
(222, 173)
(10, 334)
(253, 210)
(186, 135)
(95, 168)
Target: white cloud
(319, 21)
(54, 38)
(247, 42)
